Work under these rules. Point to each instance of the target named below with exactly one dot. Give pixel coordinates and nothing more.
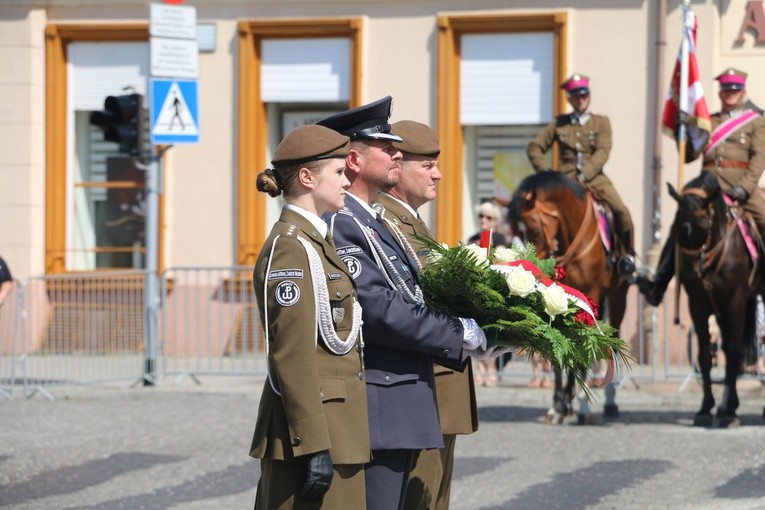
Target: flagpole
(681, 134)
(683, 100)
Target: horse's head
(695, 210)
(537, 210)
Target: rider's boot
(625, 266)
(654, 290)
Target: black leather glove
(739, 194)
(681, 118)
(318, 476)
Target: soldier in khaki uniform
(311, 433)
(735, 153)
(430, 480)
(584, 144)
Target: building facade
(484, 73)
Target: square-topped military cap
(731, 79)
(369, 121)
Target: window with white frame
(105, 209)
(506, 97)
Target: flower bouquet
(520, 302)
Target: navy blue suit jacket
(400, 338)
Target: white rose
(520, 282)
(555, 299)
(503, 254)
(478, 252)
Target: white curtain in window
(506, 79)
(305, 70)
(97, 70)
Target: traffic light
(121, 122)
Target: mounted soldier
(735, 154)
(584, 144)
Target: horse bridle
(707, 254)
(574, 251)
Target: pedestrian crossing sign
(174, 111)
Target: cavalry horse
(720, 278)
(556, 215)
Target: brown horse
(719, 278)
(555, 214)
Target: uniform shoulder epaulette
(291, 230)
(345, 211)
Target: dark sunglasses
(481, 215)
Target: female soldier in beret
(311, 432)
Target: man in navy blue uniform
(402, 336)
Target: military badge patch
(354, 266)
(287, 293)
(285, 273)
(338, 313)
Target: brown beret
(310, 143)
(418, 138)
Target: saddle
(604, 217)
(748, 229)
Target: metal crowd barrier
(81, 329)
(89, 328)
(210, 323)
(9, 340)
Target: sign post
(173, 111)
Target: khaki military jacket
(322, 405)
(746, 146)
(590, 135)
(455, 390)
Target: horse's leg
(559, 409)
(700, 316)
(617, 306)
(584, 415)
(732, 332)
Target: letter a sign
(174, 111)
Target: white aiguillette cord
(391, 273)
(323, 314)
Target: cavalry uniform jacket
(455, 390)
(400, 338)
(322, 405)
(588, 135)
(739, 160)
(585, 140)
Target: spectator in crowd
(488, 220)
(487, 370)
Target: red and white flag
(698, 113)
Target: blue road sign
(174, 111)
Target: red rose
(584, 318)
(559, 273)
(594, 306)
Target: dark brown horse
(556, 215)
(719, 278)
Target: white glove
(473, 337)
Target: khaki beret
(310, 143)
(418, 138)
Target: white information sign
(174, 58)
(174, 21)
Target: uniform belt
(725, 163)
(572, 159)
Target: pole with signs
(174, 57)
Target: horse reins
(575, 250)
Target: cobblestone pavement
(185, 447)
